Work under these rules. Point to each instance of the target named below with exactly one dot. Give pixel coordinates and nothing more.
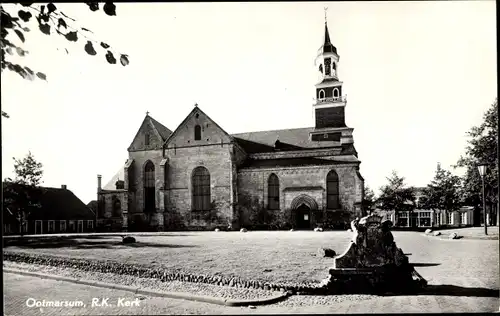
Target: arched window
(149, 187)
(146, 139)
(197, 132)
(273, 192)
(201, 189)
(321, 94)
(332, 190)
(336, 93)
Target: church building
(200, 177)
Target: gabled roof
(196, 109)
(158, 128)
(162, 130)
(56, 204)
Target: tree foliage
(22, 195)
(481, 148)
(369, 199)
(443, 193)
(28, 170)
(50, 20)
(396, 195)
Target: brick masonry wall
(252, 185)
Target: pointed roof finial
(147, 113)
(326, 9)
(196, 105)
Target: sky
(417, 75)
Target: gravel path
(148, 283)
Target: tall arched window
(146, 139)
(201, 189)
(149, 187)
(273, 192)
(332, 190)
(197, 132)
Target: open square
(282, 256)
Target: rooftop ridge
(273, 130)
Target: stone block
(128, 240)
(326, 253)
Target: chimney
(63, 186)
(99, 178)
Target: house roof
(55, 203)
(92, 205)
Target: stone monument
(372, 262)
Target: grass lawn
(282, 256)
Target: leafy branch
(50, 18)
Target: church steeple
(330, 103)
(327, 45)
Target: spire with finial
(327, 45)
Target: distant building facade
(435, 218)
(58, 211)
(200, 177)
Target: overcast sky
(418, 76)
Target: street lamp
(482, 171)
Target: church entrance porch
(303, 217)
(305, 212)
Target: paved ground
(473, 232)
(463, 276)
(19, 289)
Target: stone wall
(108, 217)
(178, 195)
(137, 170)
(309, 181)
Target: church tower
(330, 103)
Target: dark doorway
(303, 217)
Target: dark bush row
(149, 272)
